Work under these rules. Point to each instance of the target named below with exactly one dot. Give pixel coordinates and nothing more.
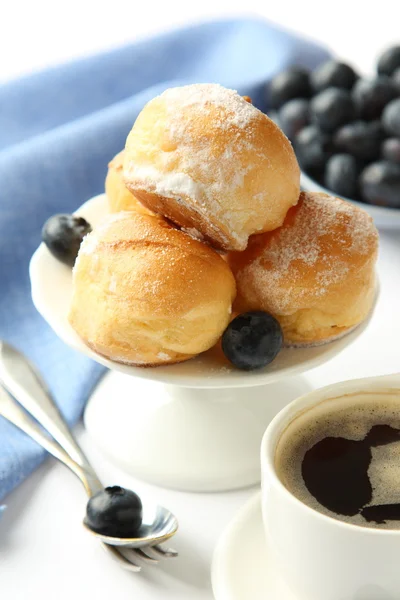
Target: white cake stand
(193, 426)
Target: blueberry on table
(312, 147)
(114, 511)
(252, 340)
(293, 116)
(332, 108)
(333, 74)
(389, 61)
(341, 175)
(63, 235)
(391, 150)
(391, 117)
(289, 84)
(360, 139)
(380, 184)
(370, 96)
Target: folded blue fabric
(59, 129)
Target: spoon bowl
(20, 379)
(158, 525)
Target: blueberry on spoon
(63, 235)
(252, 340)
(115, 512)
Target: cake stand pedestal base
(183, 438)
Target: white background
(44, 551)
(35, 33)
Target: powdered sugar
(172, 185)
(196, 235)
(314, 220)
(311, 253)
(113, 284)
(209, 135)
(238, 112)
(89, 244)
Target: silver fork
(20, 378)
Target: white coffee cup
(319, 557)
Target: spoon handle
(24, 382)
(10, 410)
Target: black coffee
(342, 457)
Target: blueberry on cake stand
(193, 426)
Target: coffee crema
(341, 457)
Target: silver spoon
(23, 381)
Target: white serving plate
(51, 284)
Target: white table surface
(44, 551)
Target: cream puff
(147, 294)
(208, 160)
(315, 274)
(118, 195)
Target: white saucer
(242, 568)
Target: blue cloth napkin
(59, 129)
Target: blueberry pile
(345, 129)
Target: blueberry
(293, 116)
(252, 340)
(370, 96)
(380, 184)
(391, 117)
(362, 140)
(333, 74)
(391, 150)
(341, 175)
(63, 235)
(396, 80)
(389, 61)
(274, 116)
(114, 511)
(317, 175)
(292, 83)
(312, 147)
(332, 108)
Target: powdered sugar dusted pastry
(315, 274)
(147, 294)
(118, 195)
(207, 159)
